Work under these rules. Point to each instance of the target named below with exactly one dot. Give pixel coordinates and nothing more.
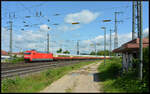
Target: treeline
(107, 52)
(61, 51)
(91, 53)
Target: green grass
(113, 82)
(37, 82)
(15, 60)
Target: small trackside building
(129, 51)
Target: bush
(128, 82)
(16, 60)
(146, 63)
(110, 70)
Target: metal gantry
(116, 33)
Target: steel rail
(27, 70)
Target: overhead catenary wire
(28, 9)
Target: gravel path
(83, 80)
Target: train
(33, 55)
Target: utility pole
(47, 42)
(116, 36)
(133, 20)
(141, 39)
(78, 47)
(104, 43)
(95, 49)
(138, 19)
(10, 37)
(110, 44)
(10, 42)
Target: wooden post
(124, 61)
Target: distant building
(4, 55)
(4, 52)
(18, 54)
(129, 51)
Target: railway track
(11, 70)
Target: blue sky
(89, 14)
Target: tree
(102, 53)
(92, 53)
(59, 51)
(66, 52)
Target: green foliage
(146, 64)
(37, 82)
(15, 56)
(59, 51)
(92, 53)
(113, 81)
(102, 53)
(66, 52)
(110, 70)
(15, 60)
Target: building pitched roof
(4, 52)
(132, 45)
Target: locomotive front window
(27, 53)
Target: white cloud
(122, 38)
(29, 39)
(85, 17)
(37, 40)
(65, 28)
(75, 27)
(5, 38)
(45, 27)
(146, 32)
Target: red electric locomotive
(37, 56)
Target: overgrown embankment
(37, 82)
(113, 80)
(15, 60)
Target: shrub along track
(22, 68)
